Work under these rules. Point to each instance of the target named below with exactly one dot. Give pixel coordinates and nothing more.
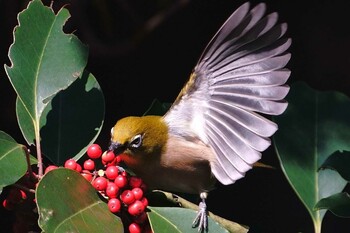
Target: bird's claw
(120, 169)
(201, 219)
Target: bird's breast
(183, 166)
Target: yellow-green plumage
(145, 125)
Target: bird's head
(139, 136)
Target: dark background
(141, 50)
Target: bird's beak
(116, 147)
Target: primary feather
(240, 74)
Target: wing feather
(240, 75)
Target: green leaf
(338, 204)
(72, 120)
(13, 163)
(315, 125)
(67, 202)
(44, 61)
(176, 219)
(339, 161)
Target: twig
(232, 227)
(30, 171)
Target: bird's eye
(136, 141)
(112, 131)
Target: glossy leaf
(72, 120)
(13, 163)
(338, 204)
(67, 202)
(339, 161)
(44, 61)
(315, 125)
(176, 219)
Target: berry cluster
(14, 197)
(124, 193)
(19, 198)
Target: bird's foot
(120, 169)
(201, 219)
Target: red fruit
(114, 205)
(134, 228)
(138, 193)
(8, 205)
(127, 197)
(121, 181)
(94, 151)
(143, 187)
(100, 183)
(136, 208)
(135, 181)
(89, 165)
(112, 190)
(117, 159)
(50, 168)
(87, 175)
(112, 172)
(140, 219)
(78, 168)
(108, 156)
(23, 194)
(124, 173)
(70, 164)
(14, 196)
(144, 201)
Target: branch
(232, 227)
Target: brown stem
(24, 188)
(32, 176)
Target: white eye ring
(112, 131)
(136, 141)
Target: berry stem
(24, 188)
(38, 152)
(33, 177)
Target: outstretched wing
(240, 76)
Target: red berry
(127, 197)
(114, 205)
(143, 187)
(117, 159)
(15, 195)
(136, 208)
(8, 205)
(112, 172)
(87, 175)
(124, 173)
(100, 183)
(50, 168)
(134, 228)
(135, 181)
(78, 168)
(94, 151)
(70, 164)
(138, 193)
(89, 165)
(144, 201)
(140, 219)
(112, 190)
(108, 156)
(121, 181)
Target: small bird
(215, 130)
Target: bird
(219, 124)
